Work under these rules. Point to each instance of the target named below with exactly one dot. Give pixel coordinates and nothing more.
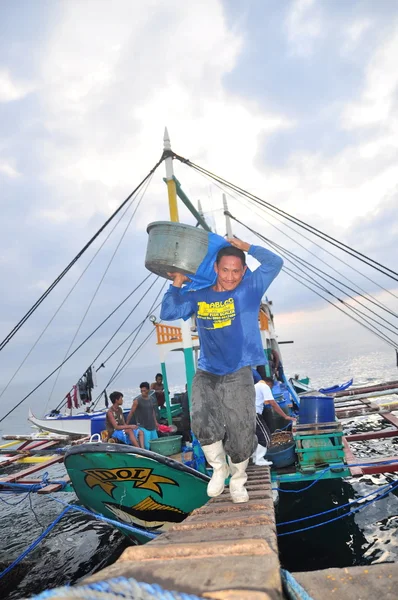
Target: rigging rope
(74, 351)
(16, 328)
(341, 310)
(293, 258)
(367, 295)
(65, 299)
(310, 228)
(119, 369)
(121, 238)
(369, 326)
(64, 400)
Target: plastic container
(98, 424)
(316, 409)
(282, 456)
(167, 445)
(175, 247)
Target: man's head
(230, 267)
(144, 387)
(269, 381)
(159, 378)
(116, 398)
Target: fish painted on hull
(135, 486)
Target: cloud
(8, 170)
(304, 27)
(266, 98)
(11, 90)
(113, 81)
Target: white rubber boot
(215, 456)
(237, 482)
(258, 457)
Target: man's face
(120, 401)
(159, 379)
(230, 271)
(144, 392)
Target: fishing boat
(154, 489)
(154, 492)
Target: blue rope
(119, 524)
(391, 485)
(120, 587)
(354, 510)
(33, 487)
(304, 489)
(293, 589)
(34, 544)
(329, 468)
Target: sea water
(80, 545)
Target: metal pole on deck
(171, 184)
(227, 219)
(185, 325)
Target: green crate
(320, 444)
(176, 410)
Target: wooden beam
(21, 474)
(351, 458)
(390, 418)
(375, 435)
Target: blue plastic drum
(98, 424)
(316, 409)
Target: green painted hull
(141, 488)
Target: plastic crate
(319, 444)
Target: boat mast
(227, 218)
(185, 325)
(171, 184)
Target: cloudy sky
(295, 101)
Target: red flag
(75, 402)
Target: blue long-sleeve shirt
(227, 321)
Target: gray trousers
(223, 409)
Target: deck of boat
(222, 550)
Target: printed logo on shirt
(220, 313)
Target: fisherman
(275, 364)
(116, 426)
(144, 413)
(264, 397)
(223, 395)
(158, 387)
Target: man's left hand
(239, 244)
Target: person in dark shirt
(144, 413)
(223, 396)
(158, 387)
(117, 428)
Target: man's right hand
(178, 278)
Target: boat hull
(78, 425)
(72, 425)
(141, 488)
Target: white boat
(79, 424)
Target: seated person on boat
(144, 413)
(116, 426)
(158, 387)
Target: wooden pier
(222, 551)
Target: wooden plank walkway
(222, 550)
